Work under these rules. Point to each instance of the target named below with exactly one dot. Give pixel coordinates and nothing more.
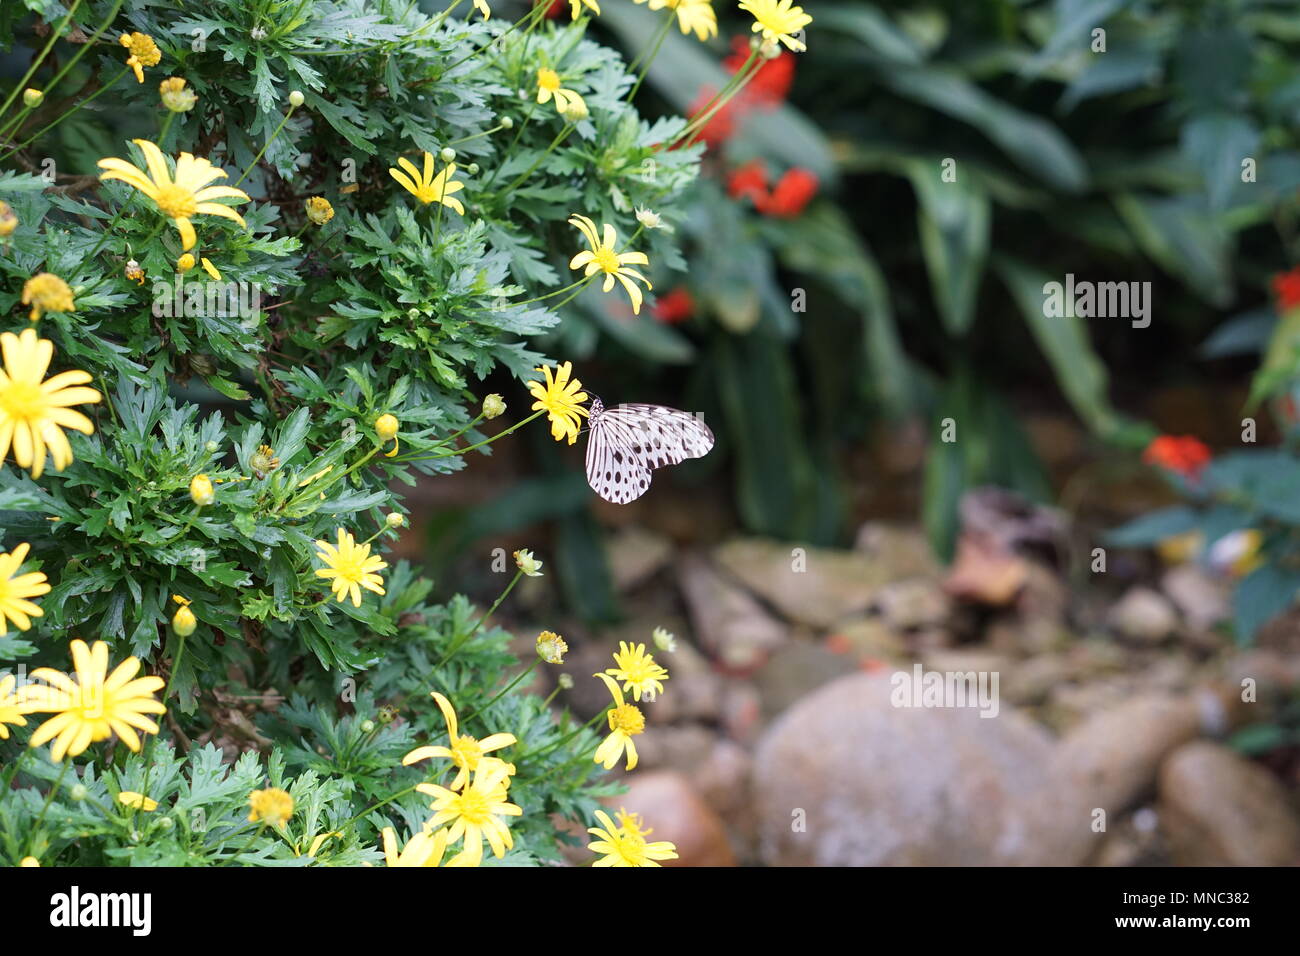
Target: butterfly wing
(628, 441)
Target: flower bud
(296, 98)
(565, 681)
(201, 490)
(493, 406)
(367, 726)
(78, 793)
(447, 154)
(8, 220)
(184, 622)
(472, 169)
(664, 640)
(396, 520)
(32, 98)
(185, 263)
(526, 563)
(386, 426)
(507, 123)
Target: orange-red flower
(790, 195)
(677, 306)
(771, 84)
(1286, 288)
(749, 181)
(1182, 454)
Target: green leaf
(1261, 596)
(1064, 340)
(953, 218)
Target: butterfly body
(626, 442)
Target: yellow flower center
(631, 847)
(176, 202)
(606, 258)
(21, 401)
(349, 565)
(474, 807)
(548, 79)
(627, 719)
(465, 752)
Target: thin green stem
(505, 690)
(249, 842)
(461, 642)
(382, 803)
(654, 52)
(40, 58)
(49, 798)
(509, 151)
(696, 126)
(559, 138)
(91, 98)
(266, 145)
(487, 441)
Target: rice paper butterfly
(627, 442)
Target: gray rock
(636, 555)
(1219, 809)
(797, 670)
(728, 621)
(812, 586)
(876, 784)
(1144, 616)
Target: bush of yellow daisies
(254, 259)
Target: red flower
(553, 10)
(749, 180)
(1286, 287)
(720, 125)
(791, 194)
(1182, 454)
(771, 84)
(677, 306)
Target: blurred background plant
(869, 243)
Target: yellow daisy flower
(625, 844)
(692, 15)
(476, 812)
(601, 257)
(12, 706)
(33, 413)
(136, 801)
(548, 88)
(179, 197)
(272, 806)
(427, 187)
(562, 398)
(351, 567)
(778, 21)
(8, 219)
(95, 705)
(46, 292)
(15, 589)
(423, 849)
(575, 7)
(144, 52)
(465, 752)
(638, 671)
(625, 722)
